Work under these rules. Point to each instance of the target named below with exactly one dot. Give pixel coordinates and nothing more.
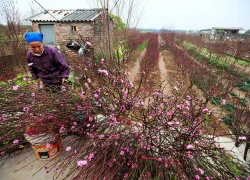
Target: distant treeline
(23, 28)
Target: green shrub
(119, 24)
(244, 86)
(216, 100)
(19, 77)
(243, 101)
(227, 119)
(229, 107)
(233, 94)
(21, 83)
(19, 80)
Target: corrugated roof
(66, 15)
(51, 15)
(83, 15)
(230, 28)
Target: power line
(45, 9)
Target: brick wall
(100, 33)
(94, 32)
(65, 31)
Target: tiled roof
(66, 15)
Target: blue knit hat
(33, 36)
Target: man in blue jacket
(46, 62)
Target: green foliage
(244, 85)
(243, 101)
(2, 83)
(142, 46)
(19, 77)
(234, 168)
(21, 83)
(216, 100)
(243, 63)
(227, 119)
(202, 84)
(120, 53)
(19, 80)
(233, 94)
(220, 31)
(200, 57)
(229, 107)
(248, 31)
(197, 54)
(119, 24)
(71, 80)
(206, 117)
(2, 36)
(218, 64)
(99, 56)
(234, 72)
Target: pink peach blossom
(68, 148)
(190, 146)
(15, 87)
(82, 163)
(242, 138)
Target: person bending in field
(46, 63)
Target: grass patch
(243, 63)
(218, 64)
(142, 46)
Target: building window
(73, 28)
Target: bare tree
(10, 15)
(130, 11)
(34, 8)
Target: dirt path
(134, 70)
(164, 76)
(164, 71)
(164, 79)
(175, 76)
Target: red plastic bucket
(46, 146)
(45, 152)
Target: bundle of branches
(117, 136)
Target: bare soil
(164, 76)
(169, 75)
(215, 125)
(134, 65)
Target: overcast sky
(172, 14)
